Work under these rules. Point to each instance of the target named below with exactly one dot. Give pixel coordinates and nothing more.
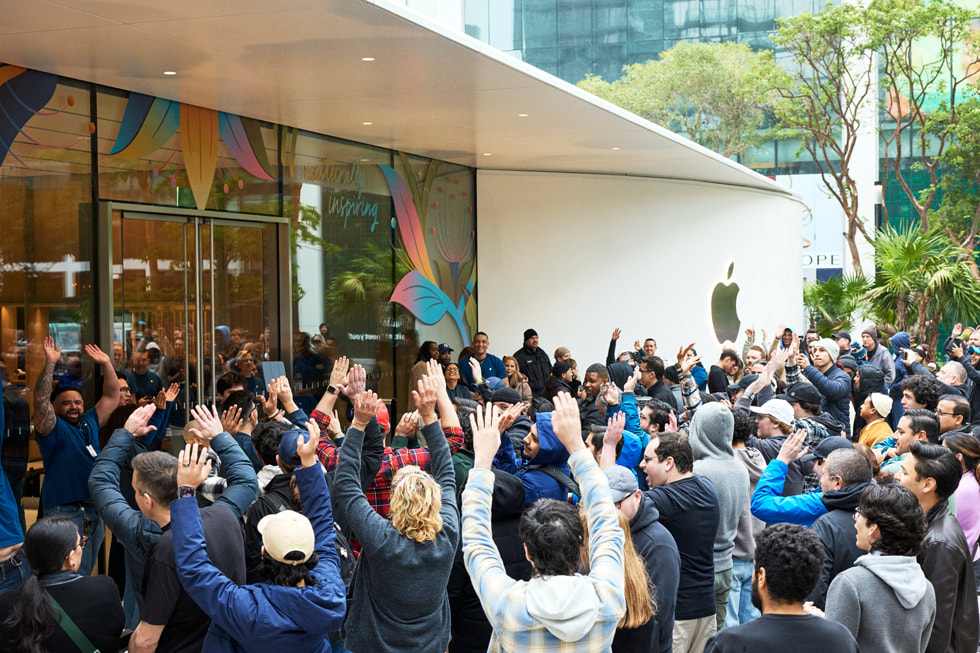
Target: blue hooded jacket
(538, 484)
(899, 342)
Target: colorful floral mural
(443, 283)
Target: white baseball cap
(285, 532)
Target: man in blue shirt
(13, 564)
(490, 364)
(68, 438)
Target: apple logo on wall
(724, 313)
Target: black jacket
(656, 546)
(839, 536)
(471, 630)
(973, 394)
(278, 497)
(553, 385)
(946, 561)
(535, 365)
(661, 391)
(872, 380)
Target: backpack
(345, 553)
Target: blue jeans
(740, 608)
(14, 571)
(89, 525)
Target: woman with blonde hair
(516, 380)
(398, 596)
(635, 631)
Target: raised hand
(270, 403)
(750, 335)
(616, 333)
(426, 397)
(682, 353)
(957, 330)
(791, 451)
(689, 364)
(285, 393)
(408, 424)
(672, 422)
(476, 370)
(910, 356)
(365, 408)
(631, 382)
(98, 356)
(137, 421)
(434, 370)
(208, 421)
(356, 381)
(172, 392)
(637, 346)
(160, 401)
(508, 416)
(614, 429)
(485, 425)
(51, 354)
(231, 420)
(566, 422)
(338, 375)
(333, 427)
(802, 360)
(611, 394)
(307, 449)
(956, 351)
(193, 466)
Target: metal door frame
(104, 291)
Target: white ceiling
(298, 62)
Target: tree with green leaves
(926, 57)
(921, 279)
(958, 212)
(833, 304)
(831, 68)
(718, 94)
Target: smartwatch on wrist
(185, 492)
(332, 389)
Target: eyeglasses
(83, 540)
(941, 413)
(648, 459)
(125, 389)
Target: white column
(309, 269)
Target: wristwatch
(332, 389)
(185, 492)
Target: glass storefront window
(157, 151)
(46, 252)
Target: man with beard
(490, 365)
(787, 565)
(69, 442)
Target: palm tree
(921, 279)
(833, 303)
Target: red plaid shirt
(379, 494)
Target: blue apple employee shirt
(69, 454)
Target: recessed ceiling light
(487, 154)
(522, 115)
(169, 72)
(615, 148)
(365, 160)
(367, 123)
(367, 58)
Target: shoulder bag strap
(71, 629)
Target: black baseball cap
(826, 447)
(803, 392)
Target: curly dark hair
(279, 573)
(553, 534)
(925, 389)
(792, 557)
(745, 427)
(896, 512)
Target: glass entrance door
(193, 298)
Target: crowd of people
(816, 492)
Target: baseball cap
(843, 334)
(827, 446)
(443, 348)
(743, 383)
(285, 532)
(152, 345)
(287, 446)
(802, 392)
(622, 482)
(778, 408)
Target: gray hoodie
(568, 606)
(710, 435)
(749, 526)
(886, 602)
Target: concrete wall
(575, 256)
